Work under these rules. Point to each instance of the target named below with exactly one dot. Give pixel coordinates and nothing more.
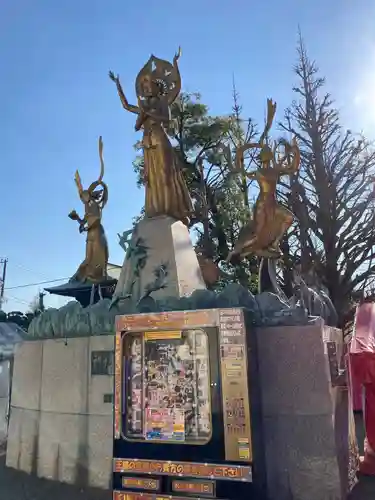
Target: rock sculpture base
(161, 260)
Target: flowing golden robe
(94, 268)
(166, 189)
(271, 219)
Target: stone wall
(305, 420)
(4, 398)
(60, 427)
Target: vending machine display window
(167, 387)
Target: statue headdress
(164, 74)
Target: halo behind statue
(100, 195)
(163, 72)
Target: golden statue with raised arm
(94, 268)
(262, 235)
(157, 86)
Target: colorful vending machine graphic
(186, 404)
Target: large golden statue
(262, 235)
(157, 86)
(94, 268)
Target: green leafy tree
(19, 318)
(24, 319)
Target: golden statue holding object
(94, 268)
(262, 235)
(157, 86)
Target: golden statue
(157, 86)
(262, 235)
(94, 268)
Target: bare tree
(333, 196)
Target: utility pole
(3, 263)
(41, 301)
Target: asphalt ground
(17, 485)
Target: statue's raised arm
(123, 99)
(173, 93)
(271, 111)
(240, 157)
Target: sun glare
(364, 97)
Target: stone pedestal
(305, 422)
(160, 245)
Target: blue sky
(56, 99)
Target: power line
(27, 269)
(16, 299)
(35, 284)
(110, 266)
(4, 261)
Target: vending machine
(187, 410)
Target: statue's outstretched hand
(177, 55)
(114, 78)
